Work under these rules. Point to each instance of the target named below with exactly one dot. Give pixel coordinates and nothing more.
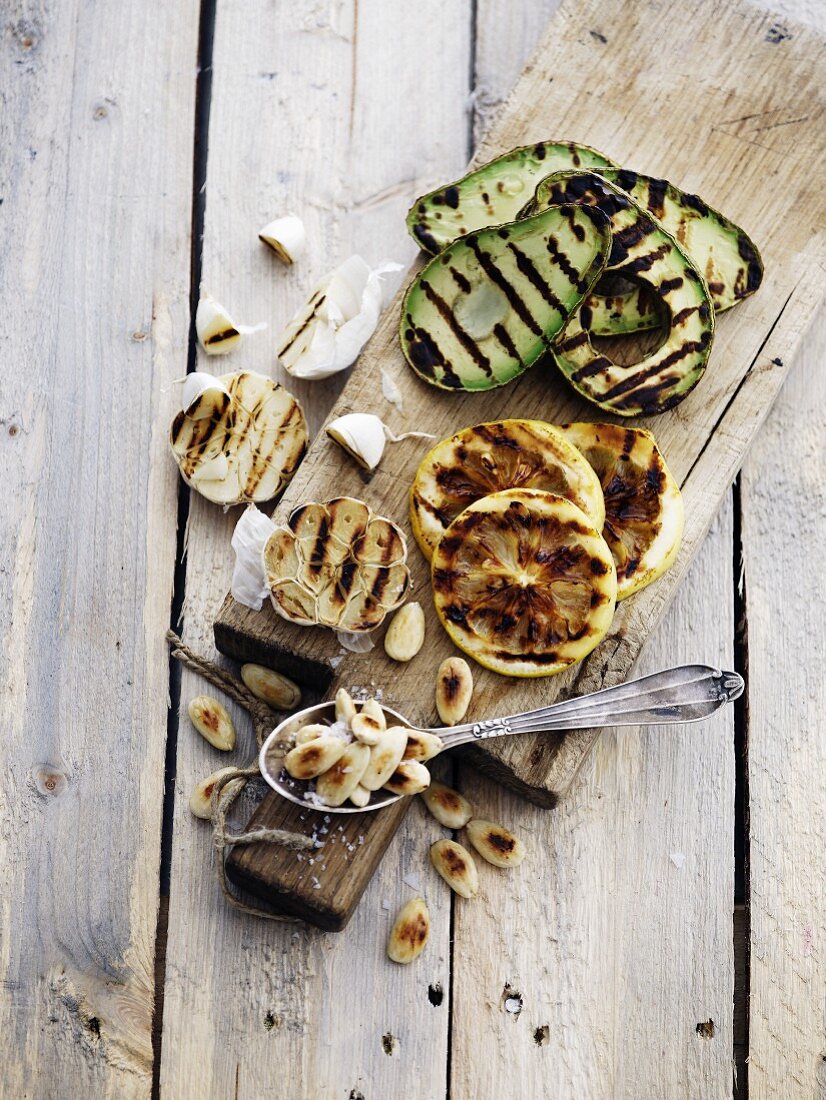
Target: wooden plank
(706, 437)
(614, 937)
(95, 164)
(783, 490)
(304, 112)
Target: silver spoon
(688, 693)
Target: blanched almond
(454, 688)
(200, 801)
(455, 864)
(310, 732)
(366, 729)
(374, 709)
(385, 757)
(450, 808)
(211, 719)
(316, 756)
(495, 843)
(422, 745)
(271, 687)
(410, 932)
(410, 777)
(345, 707)
(360, 796)
(405, 635)
(336, 785)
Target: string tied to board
(228, 787)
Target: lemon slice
(524, 583)
(643, 505)
(505, 454)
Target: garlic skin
(286, 236)
(216, 330)
(361, 435)
(249, 580)
(328, 333)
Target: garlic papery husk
(217, 332)
(286, 237)
(203, 395)
(326, 336)
(363, 435)
(249, 582)
(355, 643)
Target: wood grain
(304, 111)
(93, 257)
(735, 135)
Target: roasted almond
(373, 709)
(454, 688)
(495, 843)
(200, 801)
(211, 719)
(316, 756)
(310, 732)
(455, 864)
(410, 932)
(367, 729)
(405, 635)
(450, 808)
(385, 757)
(410, 777)
(345, 707)
(422, 745)
(360, 796)
(336, 785)
(271, 687)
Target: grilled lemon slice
(484, 459)
(643, 505)
(523, 583)
(336, 564)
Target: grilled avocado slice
(643, 250)
(489, 306)
(493, 193)
(723, 252)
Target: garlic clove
(216, 330)
(362, 437)
(286, 237)
(204, 395)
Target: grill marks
(449, 318)
(528, 269)
(514, 299)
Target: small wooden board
(727, 103)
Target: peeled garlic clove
(216, 330)
(200, 801)
(345, 707)
(410, 932)
(362, 437)
(314, 757)
(495, 843)
(213, 469)
(336, 785)
(410, 777)
(212, 720)
(422, 745)
(203, 395)
(385, 757)
(455, 864)
(454, 688)
(360, 796)
(310, 732)
(367, 729)
(405, 635)
(286, 237)
(450, 808)
(271, 687)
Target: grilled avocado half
(494, 193)
(641, 250)
(488, 306)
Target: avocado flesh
(493, 194)
(488, 306)
(724, 254)
(643, 251)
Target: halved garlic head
(328, 333)
(336, 564)
(286, 237)
(361, 435)
(240, 438)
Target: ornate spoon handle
(684, 694)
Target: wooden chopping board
(726, 101)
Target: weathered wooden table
(667, 932)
